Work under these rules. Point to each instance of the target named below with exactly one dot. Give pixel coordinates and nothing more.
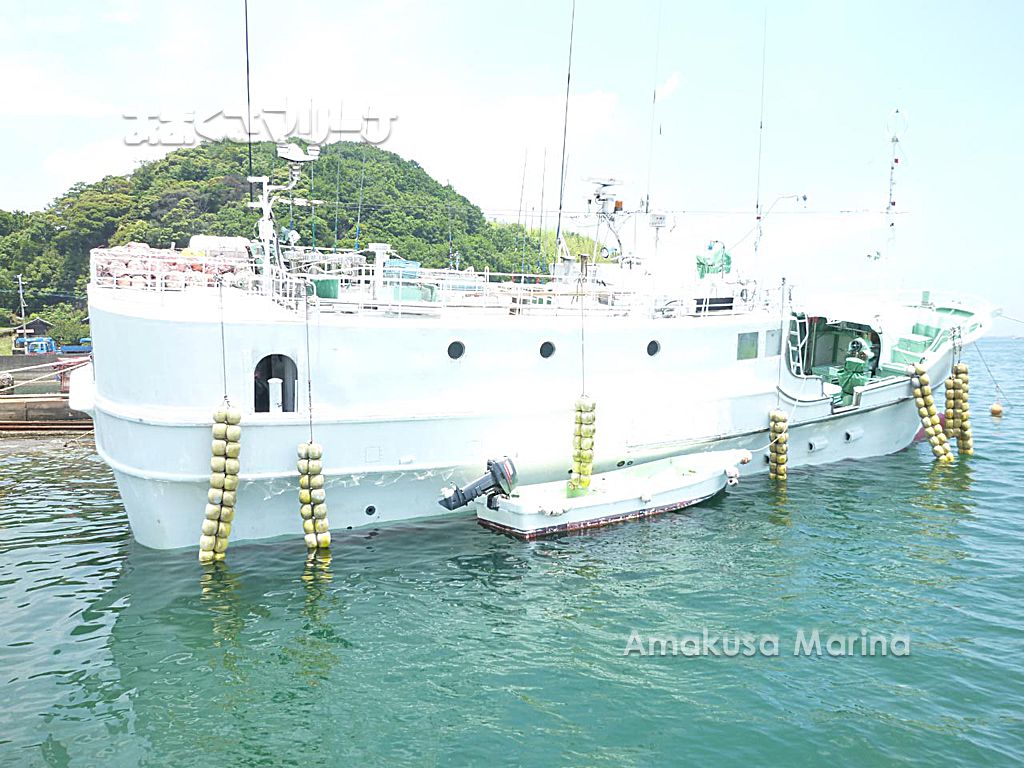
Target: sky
(475, 91)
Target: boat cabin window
(274, 385)
(746, 346)
(828, 344)
(772, 343)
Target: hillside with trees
(203, 190)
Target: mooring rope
(44, 377)
(37, 367)
(223, 341)
(583, 336)
(999, 390)
(309, 372)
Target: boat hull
(400, 417)
(165, 509)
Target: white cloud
(41, 88)
(91, 162)
(122, 11)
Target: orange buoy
(996, 409)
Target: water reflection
(425, 641)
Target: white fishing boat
(630, 493)
(410, 380)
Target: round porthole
(371, 510)
(456, 350)
(653, 348)
(547, 349)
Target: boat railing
(402, 289)
(345, 283)
(142, 268)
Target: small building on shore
(34, 327)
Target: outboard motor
(501, 478)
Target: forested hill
(203, 190)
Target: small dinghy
(629, 493)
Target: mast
(897, 124)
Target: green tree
(67, 323)
(203, 189)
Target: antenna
(451, 255)
(313, 202)
(760, 133)
(337, 193)
(522, 193)
(359, 209)
(248, 97)
(540, 239)
(895, 125)
(654, 103)
(565, 130)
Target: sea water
(443, 643)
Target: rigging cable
(760, 133)
(654, 103)
(248, 98)
(312, 200)
(520, 219)
(359, 209)
(309, 369)
(565, 129)
(337, 196)
(48, 376)
(223, 342)
(540, 239)
(782, 334)
(451, 253)
(581, 295)
(999, 390)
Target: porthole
(653, 348)
(456, 350)
(547, 349)
(371, 510)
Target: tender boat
(630, 493)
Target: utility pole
(21, 302)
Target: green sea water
(442, 643)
